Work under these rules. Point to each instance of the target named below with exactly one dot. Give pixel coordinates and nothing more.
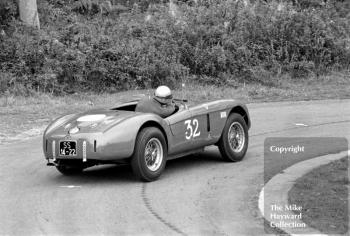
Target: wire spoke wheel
(233, 143)
(150, 154)
(153, 154)
(236, 137)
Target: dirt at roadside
(25, 117)
(33, 132)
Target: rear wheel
(233, 143)
(149, 158)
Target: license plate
(68, 148)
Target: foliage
(103, 45)
(8, 11)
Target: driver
(161, 103)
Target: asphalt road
(196, 195)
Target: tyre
(233, 143)
(69, 170)
(150, 154)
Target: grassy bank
(323, 195)
(23, 117)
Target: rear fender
(120, 140)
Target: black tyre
(233, 143)
(69, 170)
(150, 154)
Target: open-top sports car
(145, 140)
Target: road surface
(196, 195)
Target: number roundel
(192, 129)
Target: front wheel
(233, 143)
(149, 158)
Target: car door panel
(196, 127)
(201, 133)
(179, 142)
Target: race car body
(121, 135)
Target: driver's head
(163, 94)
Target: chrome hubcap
(236, 137)
(153, 154)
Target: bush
(8, 11)
(104, 46)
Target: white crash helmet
(163, 92)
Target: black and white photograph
(174, 117)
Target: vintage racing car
(145, 140)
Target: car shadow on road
(103, 174)
(123, 173)
(199, 160)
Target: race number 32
(192, 129)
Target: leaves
(101, 45)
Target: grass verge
(22, 117)
(323, 195)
